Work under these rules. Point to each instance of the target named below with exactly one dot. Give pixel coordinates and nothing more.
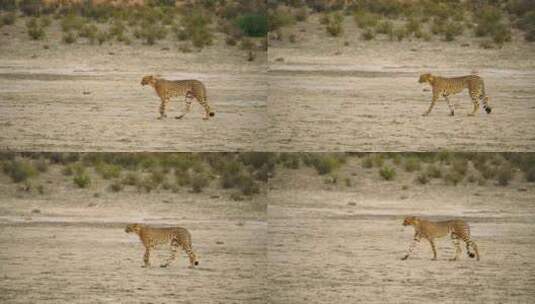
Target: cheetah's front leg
(164, 102)
(412, 246)
(433, 101)
(146, 257)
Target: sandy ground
(326, 96)
(334, 244)
(89, 98)
(75, 249)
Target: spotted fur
(189, 88)
(174, 237)
(448, 86)
(456, 229)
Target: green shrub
(412, 26)
(530, 175)
(505, 174)
(422, 178)
(69, 38)
(385, 28)
(247, 185)
(45, 21)
(433, 171)
(19, 171)
(199, 182)
(82, 180)
(196, 23)
(453, 178)
(367, 162)
(146, 184)
(365, 19)
(489, 23)
(290, 160)
(41, 165)
(460, 165)
(102, 36)
(108, 171)
(72, 22)
(368, 35)
(131, 179)
(334, 26)
(412, 164)
(452, 30)
(301, 14)
(280, 18)
(399, 34)
(253, 25)
(387, 173)
(325, 164)
(116, 186)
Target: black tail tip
(488, 109)
(212, 114)
(472, 255)
(196, 263)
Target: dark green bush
(8, 5)
(82, 180)
(334, 25)
(36, 33)
(253, 25)
(19, 171)
(69, 38)
(387, 173)
(505, 174)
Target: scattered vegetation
(387, 173)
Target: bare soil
(85, 97)
(338, 244)
(325, 95)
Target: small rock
(36, 211)
(165, 49)
(111, 53)
(91, 204)
(352, 204)
(522, 189)
(465, 44)
(86, 92)
(280, 59)
(215, 196)
(219, 243)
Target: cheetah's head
(409, 220)
(425, 78)
(149, 79)
(132, 228)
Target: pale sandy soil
(325, 96)
(337, 244)
(75, 249)
(89, 98)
